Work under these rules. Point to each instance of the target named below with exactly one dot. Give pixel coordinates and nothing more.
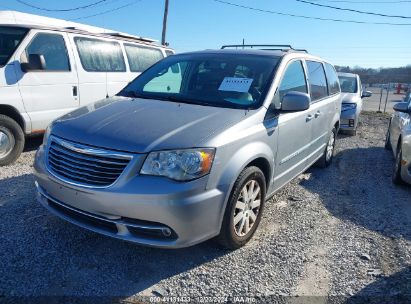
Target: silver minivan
(193, 147)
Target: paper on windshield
(234, 84)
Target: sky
(208, 24)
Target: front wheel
(387, 144)
(396, 175)
(244, 209)
(327, 157)
(11, 140)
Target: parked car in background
(352, 94)
(192, 148)
(49, 67)
(398, 140)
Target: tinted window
(348, 84)
(100, 56)
(293, 80)
(53, 48)
(10, 38)
(317, 80)
(220, 80)
(332, 78)
(141, 58)
(170, 80)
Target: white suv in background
(49, 70)
(352, 95)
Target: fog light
(351, 122)
(166, 232)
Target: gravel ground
(336, 235)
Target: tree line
(381, 75)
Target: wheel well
(264, 166)
(13, 114)
(399, 142)
(337, 125)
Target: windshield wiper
(127, 93)
(177, 99)
(133, 94)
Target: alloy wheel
(247, 208)
(6, 143)
(330, 146)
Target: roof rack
(114, 34)
(265, 47)
(123, 35)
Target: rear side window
(141, 58)
(333, 83)
(99, 55)
(293, 80)
(317, 80)
(53, 49)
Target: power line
(108, 11)
(353, 10)
(60, 10)
(307, 17)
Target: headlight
(181, 165)
(348, 106)
(46, 135)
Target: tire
(11, 140)
(327, 158)
(387, 144)
(396, 174)
(233, 236)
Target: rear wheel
(11, 140)
(396, 174)
(244, 209)
(328, 154)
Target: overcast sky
(205, 24)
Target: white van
(49, 67)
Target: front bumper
(152, 211)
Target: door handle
(75, 91)
(317, 114)
(309, 117)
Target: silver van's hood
(349, 97)
(143, 125)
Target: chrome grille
(84, 165)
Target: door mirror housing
(36, 62)
(402, 107)
(295, 101)
(366, 94)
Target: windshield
(348, 84)
(220, 80)
(10, 38)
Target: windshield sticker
(234, 84)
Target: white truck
(49, 67)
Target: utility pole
(163, 36)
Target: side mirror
(366, 94)
(295, 101)
(36, 63)
(402, 107)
